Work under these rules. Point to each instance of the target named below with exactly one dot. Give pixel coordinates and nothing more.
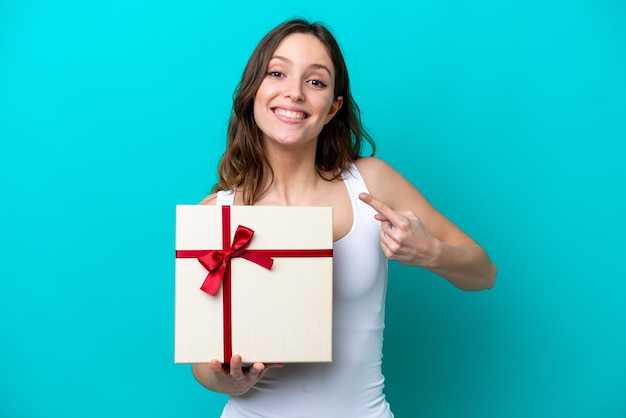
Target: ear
(334, 108)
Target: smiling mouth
(290, 114)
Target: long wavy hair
(244, 166)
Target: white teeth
(289, 114)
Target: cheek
(260, 112)
(257, 114)
(325, 106)
(259, 98)
(263, 96)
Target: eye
(275, 74)
(317, 83)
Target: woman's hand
(403, 236)
(234, 380)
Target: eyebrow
(316, 66)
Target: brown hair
(340, 142)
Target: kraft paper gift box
(272, 297)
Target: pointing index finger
(379, 207)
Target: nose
(294, 90)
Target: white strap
(354, 180)
(225, 198)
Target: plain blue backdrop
(509, 116)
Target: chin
(289, 140)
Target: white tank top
(352, 385)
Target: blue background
(509, 116)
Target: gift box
(254, 281)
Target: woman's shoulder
(375, 171)
(384, 181)
(369, 164)
(209, 200)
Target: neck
(295, 177)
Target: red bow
(217, 261)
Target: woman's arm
(413, 232)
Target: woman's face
(296, 98)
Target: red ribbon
(217, 262)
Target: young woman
(295, 139)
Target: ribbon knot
(218, 261)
